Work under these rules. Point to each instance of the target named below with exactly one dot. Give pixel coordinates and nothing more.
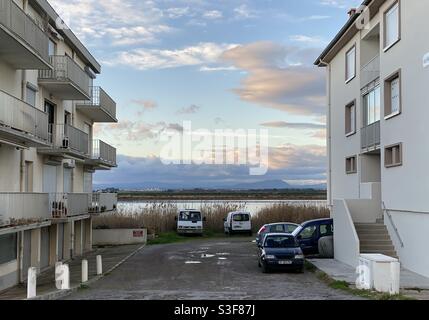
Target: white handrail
(393, 224)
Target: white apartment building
(48, 105)
(378, 91)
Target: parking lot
(205, 269)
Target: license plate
(287, 262)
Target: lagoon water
(252, 206)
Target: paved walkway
(412, 284)
(204, 269)
(111, 256)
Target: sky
(214, 65)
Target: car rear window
(190, 216)
(241, 217)
(277, 228)
(280, 242)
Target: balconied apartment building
(48, 105)
(378, 145)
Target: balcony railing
(21, 25)
(104, 202)
(100, 99)
(370, 136)
(370, 71)
(23, 118)
(69, 137)
(63, 205)
(23, 208)
(103, 152)
(66, 70)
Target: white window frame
(396, 6)
(388, 111)
(350, 77)
(350, 118)
(394, 150)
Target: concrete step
(373, 227)
(390, 253)
(375, 242)
(373, 247)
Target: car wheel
(265, 268)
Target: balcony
(103, 156)
(370, 137)
(101, 107)
(67, 80)
(23, 44)
(370, 71)
(67, 205)
(67, 142)
(103, 202)
(21, 124)
(23, 208)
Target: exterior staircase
(375, 238)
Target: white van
(190, 221)
(238, 222)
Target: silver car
(279, 227)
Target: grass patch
(166, 238)
(83, 287)
(346, 287)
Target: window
(351, 118)
(8, 248)
(392, 26)
(393, 156)
(52, 49)
(30, 95)
(277, 228)
(326, 230)
(393, 97)
(351, 64)
(351, 165)
(241, 217)
(308, 232)
(372, 106)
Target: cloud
(216, 69)
(213, 14)
(244, 12)
(279, 77)
(175, 13)
(341, 4)
(145, 59)
(307, 39)
(147, 105)
(287, 162)
(291, 125)
(189, 110)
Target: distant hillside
(261, 185)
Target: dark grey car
(279, 227)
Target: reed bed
(159, 217)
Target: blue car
(280, 251)
(309, 233)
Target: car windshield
(280, 242)
(297, 231)
(190, 216)
(241, 217)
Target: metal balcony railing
(103, 202)
(20, 24)
(99, 98)
(370, 71)
(63, 205)
(104, 152)
(69, 137)
(66, 69)
(23, 208)
(370, 136)
(20, 116)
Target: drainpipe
(329, 133)
(22, 155)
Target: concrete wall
(119, 236)
(346, 241)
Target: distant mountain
(260, 185)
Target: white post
(99, 266)
(31, 283)
(84, 271)
(62, 276)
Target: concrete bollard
(32, 283)
(84, 271)
(99, 266)
(62, 276)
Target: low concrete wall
(118, 236)
(346, 241)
